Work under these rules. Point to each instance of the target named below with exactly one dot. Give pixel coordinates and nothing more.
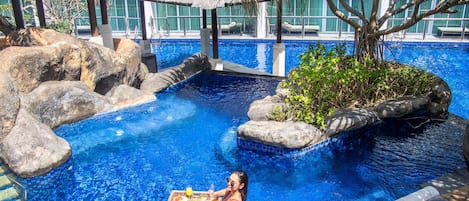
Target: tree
(370, 29)
(60, 14)
(57, 11)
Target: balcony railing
(248, 25)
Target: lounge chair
(298, 28)
(452, 30)
(227, 27)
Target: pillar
(278, 68)
(149, 18)
(40, 13)
(106, 29)
(18, 12)
(205, 41)
(261, 28)
(92, 17)
(279, 60)
(148, 58)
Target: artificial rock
(32, 148)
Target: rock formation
(49, 78)
(58, 56)
(292, 135)
(263, 130)
(57, 102)
(32, 148)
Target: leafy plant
(61, 26)
(327, 80)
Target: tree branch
(353, 11)
(390, 12)
(341, 15)
(374, 13)
(442, 6)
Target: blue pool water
(188, 137)
(447, 60)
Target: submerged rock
(287, 134)
(32, 148)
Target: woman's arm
(218, 194)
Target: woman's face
(233, 183)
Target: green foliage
(278, 114)
(326, 80)
(61, 26)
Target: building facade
(170, 18)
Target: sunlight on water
(124, 127)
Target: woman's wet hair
(243, 179)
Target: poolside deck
(452, 186)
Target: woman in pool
(236, 187)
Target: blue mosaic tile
(342, 141)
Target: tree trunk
(366, 43)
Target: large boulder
(39, 37)
(130, 57)
(260, 110)
(9, 104)
(58, 102)
(29, 66)
(288, 134)
(156, 82)
(50, 55)
(107, 68)
(124, 95)
(32, 148)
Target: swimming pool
(188, 137)
(447, 60)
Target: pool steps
(9, 188)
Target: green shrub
(328, 80)
(61, 26)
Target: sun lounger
(452, 30)
(227, 27)
(83, 27)
(298, 28)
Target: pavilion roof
(208, 4)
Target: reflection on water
(261, 57)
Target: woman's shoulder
(233, 199)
